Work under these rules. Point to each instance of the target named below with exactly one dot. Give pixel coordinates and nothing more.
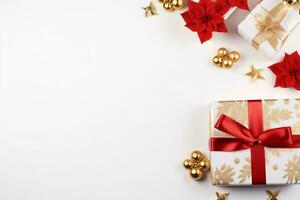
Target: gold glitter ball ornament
(178, 4)
(196, 173)
(168, 6)
(163, 1)
(222, 52)
(197, 155)
(205, 165)
(187, 163)
(290, 2)
(217, 60)
(227, 62)
(234, 55)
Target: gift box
(255, 142)
(268, 26)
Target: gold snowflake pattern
(275, 167)
(287, 101)
(297, 105)
(274, 115)
(296, 127)
(275, 152)
(292, 170)
(235, 109)
(245, 172)
(237, 161)
(223, 175)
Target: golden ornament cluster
(172, 5)
(271, 195)
(226, 59)
(290, 2)
(197, 165)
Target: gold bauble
(217, 60)
(168, 6)
(290, 2)
(178, 4)
(234, 55)
(227, 62)
(197, 155)
(222, 52)
(196, 174)
(205, 165)
(187, 163)
(163, 1)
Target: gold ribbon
(269, 27)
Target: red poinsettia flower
(288, 71)
(204, 18)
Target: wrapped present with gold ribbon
(255, 142)
(268, 26)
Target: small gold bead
(234, 55)
(227, 62)
(222, 52)
(187, 163)
(168, 6)
(197, 155)
(178, 4)
(217, 60)
(196, 174)
(205, 165)
(290, 2)
(163, 1)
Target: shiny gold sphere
(222, 52)
(163, 1)
(234, 55)
(187, 163)
(217, 60)
(197, 155)
(178, 4)
(168, 6)
(196, 174)
(205, 165)
(227, 62)
(290, 2)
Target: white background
(98, 102)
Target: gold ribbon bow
(269, 26)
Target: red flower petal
(221, 28)
(222, 7)
(297, 85)
(280, 82)
(290, 81)
(204, 36)
(242, 4)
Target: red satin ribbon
(253, 138)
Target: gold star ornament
(222, 195)
(272, 195)
(255, 74)
(150, 10)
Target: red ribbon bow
(254, 138)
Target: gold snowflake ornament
(272, 195)
(197, 164)
(223, 175)
(292, 170)
(222, 195)
(150, 10)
